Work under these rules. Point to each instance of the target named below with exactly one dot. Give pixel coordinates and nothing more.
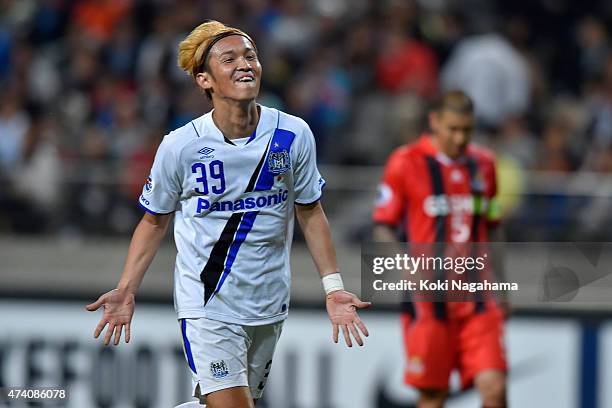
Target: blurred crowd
(89, 87)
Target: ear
(205, 81)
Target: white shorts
(224, 355)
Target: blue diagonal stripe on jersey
(282, 139)
(243, 230)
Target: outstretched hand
(342, 310)
(118, 312)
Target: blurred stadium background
(88, 88)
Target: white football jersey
(233, 206)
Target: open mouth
(246, 78)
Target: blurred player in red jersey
(425, 186)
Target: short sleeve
(161, 192)
(391, 199)
(308, 183)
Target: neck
(439, 148)
(235, 119)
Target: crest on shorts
(279, 162)
(219, 369)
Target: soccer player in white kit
(233, 179)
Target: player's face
(452, 131)
(234, 70)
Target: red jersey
(439, 199)
(436, 197)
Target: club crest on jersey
(279, 162)
(148, 187)
(219, 369)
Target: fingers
(335, 333)
(127, 333)
(95, 305)
(99, 328)
(347, 337)
(118, 330)
(362, 327)
(355, 334)
(109, 333)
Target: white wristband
(332, 283)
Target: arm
(119, 303)
(316, 230)
(341, 305)
(143, 247)
(390, 204)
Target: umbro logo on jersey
(206, 152)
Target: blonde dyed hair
(192, 49)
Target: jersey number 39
(215, 171)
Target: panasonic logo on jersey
(241, 204)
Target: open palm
(118, 312)
(342, 310)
